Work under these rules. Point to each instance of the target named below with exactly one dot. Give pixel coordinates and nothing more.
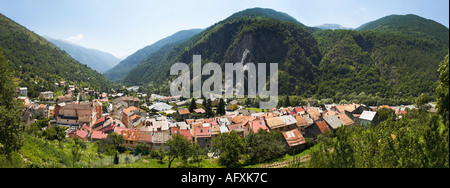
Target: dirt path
(282, 164)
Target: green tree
(192, 106)
(179, 147)
(442, 90)
(11, 126)
(208, 109)
(422, 102)
(263, 146)
(197, 154)
(221, 107)
(229, 146)
(142, 148)
(287, 102)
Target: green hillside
(38, 64)
(409, 24)
(389, 63)
(123, 68)
(386, 65)
(267, 39)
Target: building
(368, 117)
(75, 114)
(294, 138)
(232, 105)
(23, 91)
(289, 121)
(275, 123)
(129, 112)
(46, 95)
(333, 122)
(319, 127)
(202, 134)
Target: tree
(229, 146)
(208, 109)
(422, 102)
(11, 126)
(287, 102)
(221, 107)
(442, 90)
(197, 153)
(142, 148)
(192, 106)
(263, 146)
(179, 147)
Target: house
(146, 137)
(294, 138)
(23, 91)
(51, 112)
(98, 135)
(75, 114)
(314, 114)
(256, 125)
(131, 137)
(232, 105)
(79, 133)
(275, 123)
(333, 122)
(302, 123)
(368, 117)
(202, 134)
(185, 132)
(46, 95)
(130, 101)
(65, 98)
(129, 112)
(242, 119)
(215, 130)
(319, 127)
(289, 121)
(238, 128)
(159, 106)
(200, 111)
(299, 110)
(184, 113)
(160, 138)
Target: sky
(121, 27)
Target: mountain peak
(332, 27)
(264, 13)
(408, 24)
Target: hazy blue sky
(122, 27)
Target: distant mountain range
(394, 57)
(332, 27)
(38, 64)
(379, 59)
(96, 59)
(123, 68)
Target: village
(154, 124)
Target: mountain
(391, 59)
(332, 27)
(409, 24)
(38, 64)
(389, 66)
(122, 69)
(253, 35)
(96, 59)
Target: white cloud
(76, 37)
